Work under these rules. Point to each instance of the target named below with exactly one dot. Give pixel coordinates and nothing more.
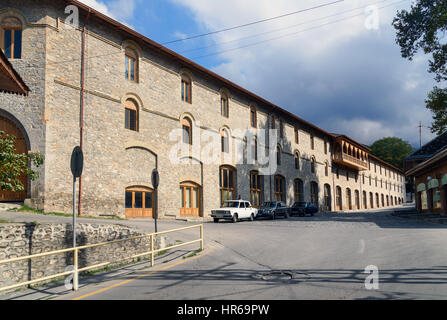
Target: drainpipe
(82, 105)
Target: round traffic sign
(77, 162)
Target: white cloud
(120, 10)
(343, 77)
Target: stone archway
(12, 128)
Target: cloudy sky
(337, 66)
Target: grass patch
(193, 254)
(3, 221)
(27, 209)
(162, 253)
(178, 241)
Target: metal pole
(152, 250)
(75, 253)
(156, 209)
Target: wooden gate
(139, 203)
(10, 128)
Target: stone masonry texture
(117, 158)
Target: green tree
(14, 165)
(423, 27)
(392, 150)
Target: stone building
(428, 169)
(133, 106)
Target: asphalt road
(322, 257)
(301, 258)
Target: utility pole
(420, 134)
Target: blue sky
(341, 70)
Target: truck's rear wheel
(252, 217)
(235, 218)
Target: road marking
(139, 277)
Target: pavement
(316, 258)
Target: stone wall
(17, 240)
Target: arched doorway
(190, 199)
(327, 198)
(21, 147)
(338, 197)
(139, 202)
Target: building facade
(428, 169)
(135, 106)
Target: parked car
(303, 208)
(235, 211)
(273, 209)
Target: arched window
(186, 89)
(298, 188)
(225, 141)
(254, 149)
(371, 200)
(131, 65)
(227, 184)
(224, 106)
(278, 155)
(11, 35)
(312, 165)
(314, 194)
(187, 131)
(280, 188)
(190, 199)
(297, 161)
(139, 202)
(131, 115)
(256, 187)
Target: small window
(297, 161)
(11, 35)
(253, 117)
(225, 141)
(326, 169)
(297, 136)
(187, 131)
(278, 156)
(312, 165)
(312, 142)
(281, 129)
(224, 107)
(325, 147)
(131, 65)
(186, 90)
(131, 115)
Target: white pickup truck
(235, 211)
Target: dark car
(272, 210)
(303, 208)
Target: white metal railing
(75, 272)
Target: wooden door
(10, 128)
(190, 200)
(139, 203)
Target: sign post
(155, 184)
(77, 166)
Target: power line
(290, 34)
(280, 29)
(252, 23)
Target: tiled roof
(10, 80)
(430, 149)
